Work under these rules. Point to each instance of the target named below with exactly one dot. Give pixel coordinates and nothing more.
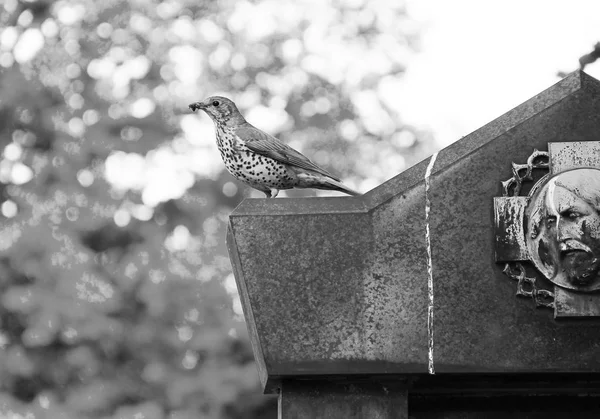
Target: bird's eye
(215, 103)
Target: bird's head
(220, 109)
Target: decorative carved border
(517, 180)
(526, 286)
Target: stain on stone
(544, 253)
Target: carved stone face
(563, 228)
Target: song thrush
(259, 159)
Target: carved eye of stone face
(215, 103)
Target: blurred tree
(116, 294)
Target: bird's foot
(272, 193)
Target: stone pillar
(308, 399)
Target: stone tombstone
(465, 287)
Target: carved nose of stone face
(566, 230)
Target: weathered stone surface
(479, 324)
(320, 289)
(326, 400)
(339, 286)
(570, 305)
(510, 237)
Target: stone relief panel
(555, 228)
(563, 226)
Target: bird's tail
(334, 185)
(308, 179)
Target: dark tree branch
(591, 57)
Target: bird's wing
(262, 143)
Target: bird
(259, 159)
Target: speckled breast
(255, 169)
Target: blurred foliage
(116, 293)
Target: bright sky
(479, 59)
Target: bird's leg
(271, 193)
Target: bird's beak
(197, 105)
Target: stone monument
(465, 287)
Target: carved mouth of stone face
(575, 257)
(572, 252)
(580, 265)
